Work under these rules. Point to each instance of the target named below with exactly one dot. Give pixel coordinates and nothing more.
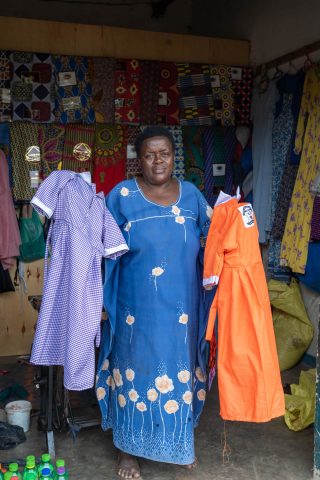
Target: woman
(151, 383)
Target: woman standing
(151, 382)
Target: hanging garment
(241, 78)
(133, 167)
(82, 232)
(263, 109)
(109, 156)
(6, 72)
(5, 147)
(168, 104)
(76, 135)
(9, 231)
(127, 94)
(315, 220)
(196, 102)
(151, 389)
(102, 72)
(294, 247)
(178, 167)
(149, 81)
(248, 369)
(32, 87)
(223, 95)
(73, 100)
(193, 156)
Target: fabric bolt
(242, 86)
(133, 167)
(5, 147)
(22, 136)
(150, 82)
(229, 153)
(263, 109)
(9, 231)
(193, 156)
(51, 143)
(102, 72)
(6, 73)
(179, 167)
(168, 104)
(82, 233)
(73, 103)
(208, 146)
(152, 397)
(196, 102)
(315, 220)
(294, 246)
(109, 156)
(74, 135)
(127, 94)
(32, 87)
(223, 95)
(250, 386)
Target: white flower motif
(110, 382)
(101, 393)
(175, 210)
(187, 397)
(209, 212)
(141, 406)
(117, 377)
(124, 192)
(97, 378)
(201, 394)
(184, 318)
(133, 395)
(171, 406)
(127, 227)
(200, 375)
(105, 365)
(164, 384)
(130, 319)
(122, 401)
(184, 376)
(152, 394)
(180, 220)
(157, 271)
(130, 374)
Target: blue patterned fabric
(5, 146)
(150, 386)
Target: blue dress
(151, 380)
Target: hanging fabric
(223, 95)
(241, 78)
(193, 156)
(133, 167)
(179, 166)
(5, 147)
(127, 91)
(78, 136)
(168, 103)
(102, 71)
(6, 69)
(51, 143)
(150, 79)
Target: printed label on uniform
(247, 215)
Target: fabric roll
(193, 156)
(179, 167)
(109, 156)
(76, 134)
(133, 167)
(102, 71)
(127, 91)
(51, 143)
(6, 72)
(168, 104)
(150, 80)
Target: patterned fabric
(83, 231)
(150, 80)
(32, 87)
(73, 102)
(152, 397)
(179, 168)
(127, 91)
(168, 107)
(229, 152)
(208, 146)
(315, 220)
(6, 72)
(242, 87)
(196, 102)
(193, 156)
(75, 134)
(133, 167)
(102, 73)
(223, 95)
(51, 143)
(5, 147)
(294, 247)
(109, 156)
(22, 136)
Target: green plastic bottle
(30, 472)
(46, 463)
(13, 472)
(61, 474)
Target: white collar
(86, 176)
(224, 197)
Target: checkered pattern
(6, 72)
(82, 232)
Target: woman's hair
(150, 132)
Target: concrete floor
(225, 450)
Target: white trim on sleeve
(214, 280)
(119, 248)
(38, 203)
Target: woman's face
(156, 159)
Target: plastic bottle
(61, 474)
(30, 472)
(46, 463)
(45, 473)
(13, 472)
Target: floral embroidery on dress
(156, 272)
(124, 192)
(130, 321)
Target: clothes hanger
(264, 79)
(308, 63)
(277, 74)
(293, 67)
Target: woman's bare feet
(128, 466)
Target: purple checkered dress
(81, 233)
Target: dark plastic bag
(32, 238)
(10, 436)
(6, 284)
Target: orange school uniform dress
(248, 369)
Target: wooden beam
(101, 41)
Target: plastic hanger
(308, 63)
(277, 74)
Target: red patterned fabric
(168, 114)
(127, 91)
(150, 76)
(242, 95)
